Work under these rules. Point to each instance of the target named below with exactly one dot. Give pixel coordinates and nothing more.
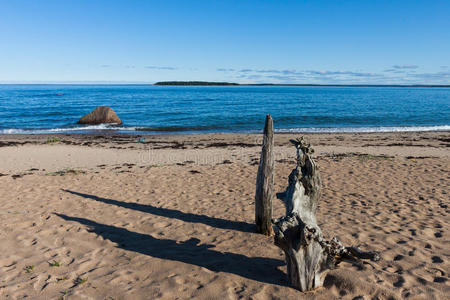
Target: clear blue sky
(240, 41)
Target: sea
(149, 109)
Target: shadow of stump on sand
(174, 214)
(261, 269)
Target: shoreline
(238, 135)
(434, 139)
(4, 136)
(102, 129)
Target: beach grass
(54, 264)
(29, 269)
(52, 140)
(80, 280)
(65, 278)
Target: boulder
(101, 114)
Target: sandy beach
(172, 216)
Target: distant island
(194, 83)
(212, 83)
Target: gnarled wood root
(308, 255)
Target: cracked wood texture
(264, 182)
(308, 255)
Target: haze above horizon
(296, 42)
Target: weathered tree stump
(264, 182)
(308, 255)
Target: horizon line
(211, 83)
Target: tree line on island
(212, 83)
(194, 83)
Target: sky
(320, 42)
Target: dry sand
(171, 217)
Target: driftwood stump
(264, 182)
(308, 255)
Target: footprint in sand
(440, 279)
(438, 234)
(422, 281)
(437, 260)
(413, 231)
(398, 257)
(400, 281)
(406, 293)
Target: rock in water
(102, 114)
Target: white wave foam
(106, 127)
(99, 127)
(365, 129)
(11, 131)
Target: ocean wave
(100, 127)
(200, 129)
(180, 128)
(365, 129)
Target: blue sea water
(146, 109)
